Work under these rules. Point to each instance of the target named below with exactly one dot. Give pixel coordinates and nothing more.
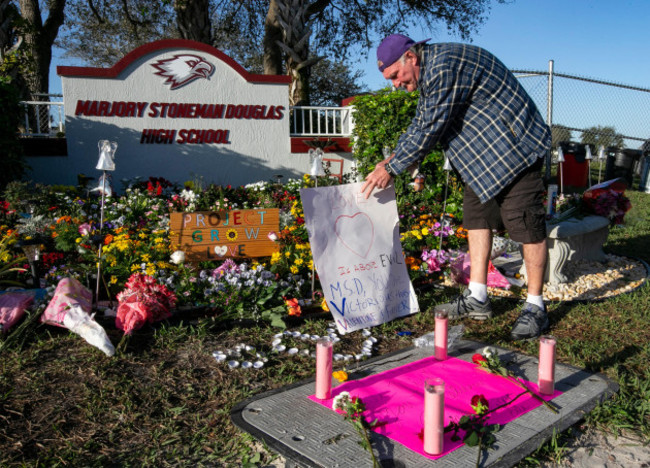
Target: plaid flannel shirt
(473, 105)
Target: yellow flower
(425, 231)
(293, 269)
(341, 376)
(275, 257)
(287, 253)
(299, 261)
(113, 279)
(324, 306)
(145, 257)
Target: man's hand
(378, 178)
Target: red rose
(478, 359)
(480, 399)
(480, 404)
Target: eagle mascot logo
(183, 69)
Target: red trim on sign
(115, 70)
(341, 145)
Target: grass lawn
(164, 401)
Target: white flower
(340, 400)
(178, 257)
(272, 236)
(489, 351)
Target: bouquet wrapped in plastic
(460, 273)
(12, 308)
(143, 301)
(70, 308)
(608, 199)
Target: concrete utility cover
(310, 435)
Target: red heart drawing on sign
(345, 227)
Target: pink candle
(324, 348)
(546, 371)
(440, 336)
(434, 415)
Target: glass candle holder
(440, 336)
(434, 415)
(324, 349)
(546, 370)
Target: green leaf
(471, 439)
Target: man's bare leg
(480, 247)
(535, 261)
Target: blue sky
(604, 39)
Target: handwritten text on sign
(215, 235)
(358, 256)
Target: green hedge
(379, 120)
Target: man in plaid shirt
(495, 138)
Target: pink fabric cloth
(12, 308)
(68, 292)
(396, 398)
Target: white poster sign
(358, 256)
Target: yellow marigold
(425, 231)
(275, 257)
(324, 306)
(341, 376)
(293, 269)
(415, 232)
(299, 261)
(287, 253)
(113, 279)
(142, 235)
(145, 257)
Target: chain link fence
(588, 110)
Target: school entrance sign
(177, 109)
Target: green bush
(379, 120)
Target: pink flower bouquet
(143, 301)
(70, 308)
(12, 308)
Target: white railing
(321, 121)
(43, 118)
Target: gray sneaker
(466, 306)
(531, 323)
